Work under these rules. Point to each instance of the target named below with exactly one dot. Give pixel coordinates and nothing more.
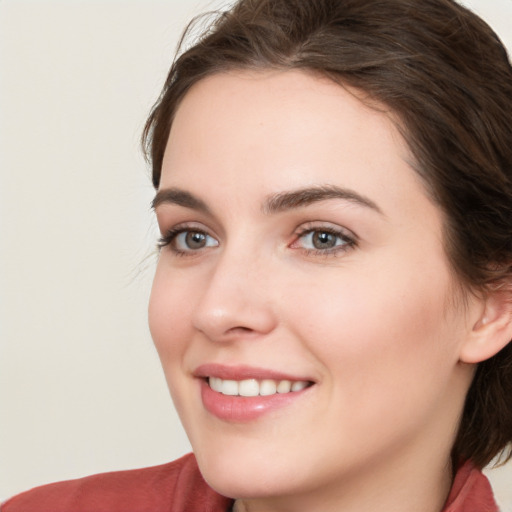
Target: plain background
(81, 388)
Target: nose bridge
(236, 297)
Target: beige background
(81, 390)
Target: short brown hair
(447, 77)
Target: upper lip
(243, 372)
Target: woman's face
(300, 247)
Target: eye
(321, 240)
(324, 240)
(186, 241)
(193, 240)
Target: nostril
(242, 329)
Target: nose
(237, 301)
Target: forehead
(276, 130)
(277, 98)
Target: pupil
(321, 240)
(195, 240)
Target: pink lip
(240, 409)
(241, 372)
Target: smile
(242, 393)
(255, 387)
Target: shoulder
(174, 487)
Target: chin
(245, 476)
(236, 484)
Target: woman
(333, 302)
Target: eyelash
(349, 241)
(169, 238)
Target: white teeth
(249, 387)
(216, 384)
(268, 387)
(229, 387)
(299, 385)
(253, 387)
(284, 386)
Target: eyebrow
(274, 203)
(181, 198)
(309, 195)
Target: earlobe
(492, 331)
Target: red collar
(471, 492)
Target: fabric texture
(174, 487)
(471, 492)
(179, 487)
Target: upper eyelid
(166, 227)
(302, 228)
(309, 226)
(168, 221)
(168, 215)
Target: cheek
(388, 357)
(383, 328)
(169, 315)
(168, 312)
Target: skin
(375, 322)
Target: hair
(447, 78)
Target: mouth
(255, 387)
(242, 393)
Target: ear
(492, 330)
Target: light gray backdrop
(81, 390)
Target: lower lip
(241, 408)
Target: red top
(179, 487)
